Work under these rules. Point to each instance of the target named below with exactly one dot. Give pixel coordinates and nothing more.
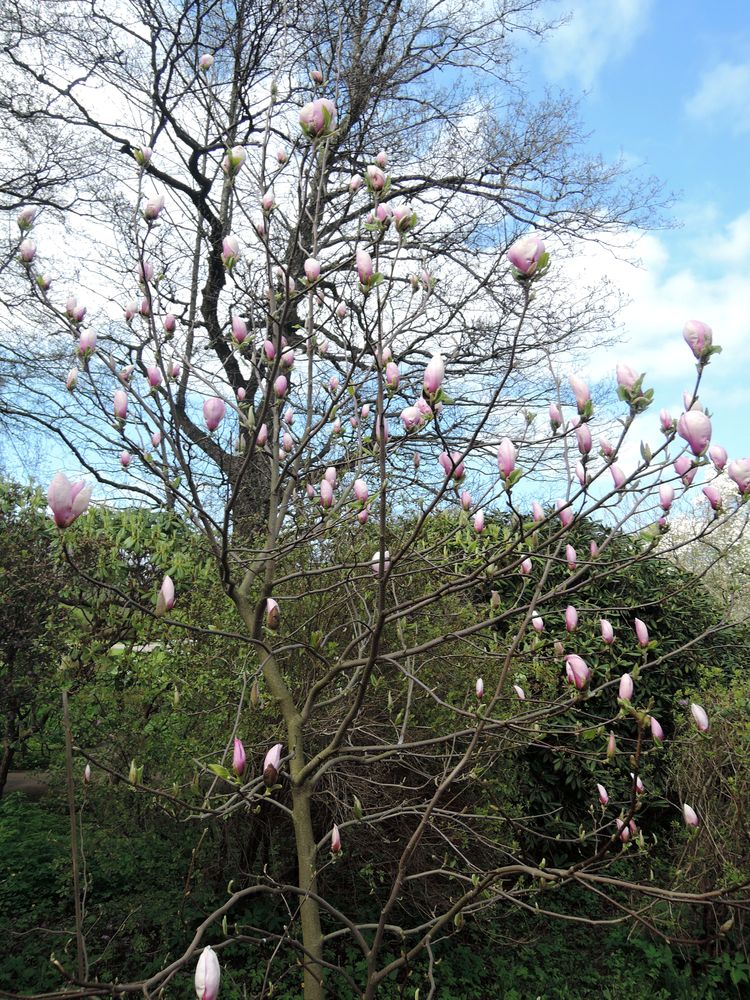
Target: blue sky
(667, 84)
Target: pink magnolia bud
(381, 430)
(690, 815)
(506, 457)
(131, 310)
(434, 374)
(700, 717)
(87, 774)
(153, 208)
(232, 162)
(360, 490)
(27, 251)
(207, 971)
(641, 632)
(316, 76)
(718, 456)
(25, 218)
(453, 465)
(271, 764)
(312, 269)
(580, 474)
(67, 500)
(537, 623)
(71, 380)
(571, 618)
(44, 282)
(466, 500)
(154, 376)
(310, 491)
(143, 155)
(603, 797)
(608, 633)
(355, 183)
(583, 434)
(169, 323)
(404, 218)
(555, 416)
(214, 410)
(323, 343)
(86, 343)
(698, 336)
(593, 549)
(375, 178)
(288, 416)
(559, 648)
(273, 614)
(386, 355)
(342, 310)
(335, 840)
(318, 118)
(640, 788)
(525, 567)
(479, 689)
(571, 557)
(657, 732)
(606, 448)
(382, 159)
(281, 156)
(564, 512)
(125, 459)
(627, 377)
(739, 472)
(262, 435)
(120, 404)
(239, 758)
(411, 418)
(520, 693)
(176, 368)
(666, 496)
(537, 511)
(326, 494)
(684, 468)
(375, 562)
(611, 746)
(625, 691)
(166, 597)
(525, 254)
(239, 329)
(365, 267)
(230, 251)
(144, 308)
(712, 494)
(576, 671)
(336, 428)
(392, 375)
(280, 386)
(623, 831)
(618, 476)
(287, 442)
(581, 392)
(363, 515)
(666, 421)
(695, 428)
(126, 374)
(479, 522)
(206, 61)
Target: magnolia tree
(321, 366)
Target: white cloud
(723, 95)
(595, 34)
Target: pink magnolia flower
(239, 758)
(273, 613)
(525, 254)
(695, 428)
(520, 693)
(355, 183)
(67, 500)
(153, 208)
(214, 410)
(555, 416)
(27, 251)
(611, 746)
(375, 562)
(206, 61)
(571, 556)
(335, 840)
(365, 267)
(666, 496)
(479, 522)
(382, 159)
(326, 494)
(312, 269)
(571, 618)
(125, 459)
(626, 376)
(685, 469)
(739, 472)
(712, 494)
(392, 375)
(280, 386)
(537, 623)
(166, 597)
(577, 671)
(581, 392)
(86, 343)
(207, 972)
(618, 476)
(525, 567)
(608, 633)
(25, 218)
(452, 465)
(411, 418)
(698, 336)
(434, 374)
(718, 456)
(666, 421)
(479, 689)
(120, 404)
(657, 732)
(700, 717)
(603, 797)
(230, 251)
(564, 512)
(154, 376)
(625, 691)
(318, 118)
(641, 632)
(262, 435)
(272, 763)
(375, 177)
(360, 490)
(466, 500)
(537, 512)
(690, 815)
(239, 329)
(506, 457)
